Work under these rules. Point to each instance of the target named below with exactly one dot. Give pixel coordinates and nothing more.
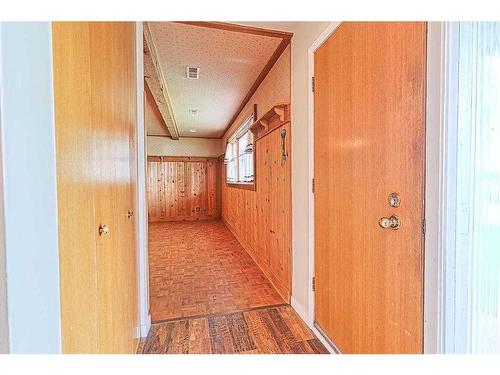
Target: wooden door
(95, 96)
(113, 103)
(76, 184)
(369, 107)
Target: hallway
(269, 330)
(209, 296)
(198, 268)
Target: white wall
(198, 147)
(29, 177)
(4, 328)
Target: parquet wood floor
(198, 268)
(268, 330)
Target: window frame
(234, 139)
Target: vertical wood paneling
(261, 219)
(153, 188)
(187, 189)
(212, 184)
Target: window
(239, 155)
(472, 261)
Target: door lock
(390, 222)
(394, 200)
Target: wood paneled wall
(261, 219)
(183, 188)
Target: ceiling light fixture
(193, 130)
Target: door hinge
(312, 185)
(423, 227)
(312, 84)
(314, 284)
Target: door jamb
(310, 125)
(144, 322)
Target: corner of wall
(32, 261)
(301, 311)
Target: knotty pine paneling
(261, 219)
(183, 188)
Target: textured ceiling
(229, 63)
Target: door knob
(103, 229)
(130, 214)
(390, 222)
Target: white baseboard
(325, 343)
(302, 312)
(144, 329)
(299, 309)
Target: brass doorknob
(390, 222)
(103, 229)
(130, 214)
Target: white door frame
(434, 191)
(141, 205)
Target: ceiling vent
(192, 72)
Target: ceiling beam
(150, 98)
(166, 107)
(240, 29)
(267, 68)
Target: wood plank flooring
(198, 269)
(268, 330)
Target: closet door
(95, 95)
(76, 184)
(113, 114)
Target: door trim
(310, 126)
(144, 322)
(435, 163)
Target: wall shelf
(278, 115)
